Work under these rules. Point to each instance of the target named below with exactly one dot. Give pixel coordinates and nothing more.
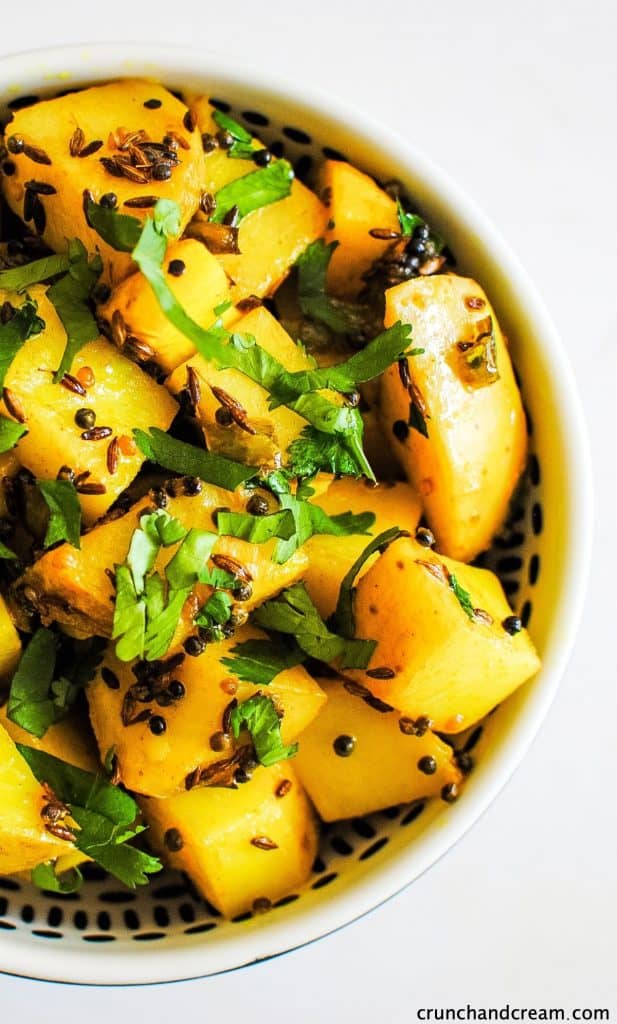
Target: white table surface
(518, 102)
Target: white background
(518, 102)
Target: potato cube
(356, 205)
(25, 841)
(240, 847)
(330, 558)
(199, 288)
(275, 429)
(433, 659)
(122, 396)
(468, 466)
(354, 759)
(73, 587)
(10, 644)
(158, 765)
(271, 238)
(49, 143)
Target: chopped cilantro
(64, 512)
(188, 460)
(70, 297)
(105, 816)
(260, 661)
(24, 324)
(10, 433)
(254, 190)
(242, 148)
(462, 596)
(341, 317)
(293, 613)
(18, 279)
(258, 715)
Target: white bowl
(164, 933)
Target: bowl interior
(363, 861)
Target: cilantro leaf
(254, 190)
(343, 619)
(408, 221)
(18, 279)
(310, 520)
(23, 324)
(6, 553)
(242, 147)
(256, 529)
(70, 296)
(462, 596)
(10, 433)
(260, 661)
(364, 365)
(147, 608)
(44, 876)
(259, 717)
(313, 451)
(119, 230)
(216, 610)
(105, 815)
(64, 512)
(341, 317)
(188, 460)
(293, 613)
(39, 696)
(30, 704)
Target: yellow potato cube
(122, 396)
(158, 765)
(467, 468)
(240, 847)
(354, 760)
(49, 143)
(432, 658)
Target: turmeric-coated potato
(271, 238)
(356, 205)
(97, 139)
(115, 389)
(354, 759)
(464, 396)
(10, 644)
(330, 558)
(243, 848)
(443, 650)
(74, 588)
(199, 283)
(196, 736)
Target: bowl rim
(183, 961)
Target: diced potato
(73, 587)
(201, 287)
(330, 558)
(70, 740)
(24, 839)
(275, 428)
(468, 466)
(385, 767)
(122, 396)
(447, 666)
(271, 238)
(355, 205)
(217, 830)
(159, 765)
(10, 644)
(117, 108)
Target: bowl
(163, 933)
